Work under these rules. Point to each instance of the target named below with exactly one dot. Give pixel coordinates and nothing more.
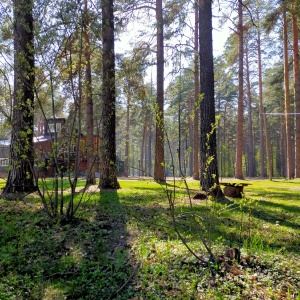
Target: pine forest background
(68, 37)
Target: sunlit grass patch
(2, 183)
(261, 230)
(54, 293)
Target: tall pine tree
(21, 173)
(209, 176)
(108, 173)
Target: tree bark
(269, 150)
(261, 107)
(127, 137)
(282, 141)
(143, 147)
(190, 138)
(88, 100)
(287, 100)
(297, 93)
(21, 174)
(209, 176)
(239, 146)
(149, 155)
(251, 156)
(159, 169)
(196, 175)
(108, 174)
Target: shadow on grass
(272, 212)
(285, 207)
(219, 224)
(283, 215)
(283, 193)
(83, 259)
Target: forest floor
(123, 244)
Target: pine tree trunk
(127, 137)
(190, 136)
(287, 100)
(251, 156)
(196, 175)
(269, 150)
(150, 150)
(261, 107)
(21, 175)
(224, 158)
(143, 145)
(146, 151)
(297, 94)
(209, 176)
(282, 140)
(159, 170)
(88, 101)
(239, 146)
(108, 174)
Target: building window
(51, 127)
(4, 162)
(58, 127)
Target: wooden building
(56, 149)
(56, 138)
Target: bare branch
(250, 14)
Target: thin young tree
(108, 173)
(251, 164)
(239, 146)
(260, 96)
(196, 97)
(131, 75)
(21, 174)
(287, 98)
(296, 89)
(271, 21)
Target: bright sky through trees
(126, 41)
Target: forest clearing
(123, 245)
(97, 95)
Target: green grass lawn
(123, 245)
